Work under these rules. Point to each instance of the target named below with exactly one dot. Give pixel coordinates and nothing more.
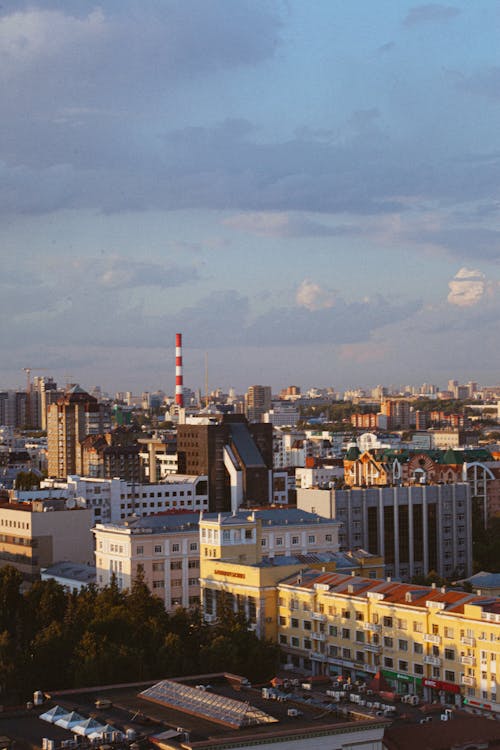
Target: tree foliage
(51, 638)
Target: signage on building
(449, 687)
(229, 573)
(403, 677)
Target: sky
(308, 191)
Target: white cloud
(314, 297)
(466, 288)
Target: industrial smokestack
(179, 398)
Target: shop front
(403, 683)
(445, 692)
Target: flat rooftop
(132, 709)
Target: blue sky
(308, 191)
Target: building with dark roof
(236, 456)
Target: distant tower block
(179, 398)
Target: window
(360, 657)
(346, 633)
(346, 614)
(158, 548)
(295, 641)
(248, 533)
(359, 617)
(360, 636)
(158, 584)
(176, 565)
(418, 648)
(140, 550)
(311, 539)
(388, 662)
(307, 644)
(387, 622)
(328, 537)
(418, 669)
(346, 653)
(283, 640)
(402, 645)
(449, 654)
(388, 642)
(332, 630)
(175, 548)
(307, 625)
(193, 581)
(295, 539)
(403, 666)
(193, 564)
(294, 623)
(418, 627)
(402, 624)
(158, 566)
(193, 546)
(449, 633)
(449, 676)
(279, 541)
(282, 620)
(176, 583)
(333, 651)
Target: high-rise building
(257, 402)
(397, 411)
(70, 420)
(236, 456)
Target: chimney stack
(179, 398)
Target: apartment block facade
(441, 644)
(35, 535)
(166, 547)
(70, 420)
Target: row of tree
(51, 638)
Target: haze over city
(308, 191)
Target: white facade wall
(306, 478)
(170, 558)
(113, 500)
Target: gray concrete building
(417, 528)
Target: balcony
(319, 616)
(431, 638)
(318, 636)
(470, 660)
(466, 640)
(375, 648)
(468, 680)
(371, 668)
(372, 627)
(434, 661)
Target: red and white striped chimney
(179, 398)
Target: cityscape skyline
(298, 189)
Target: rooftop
(392, 592)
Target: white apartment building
(113, 500)
(166, 548)
(282, 415)
(321, 476)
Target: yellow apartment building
(438, 643)
(234, 564)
